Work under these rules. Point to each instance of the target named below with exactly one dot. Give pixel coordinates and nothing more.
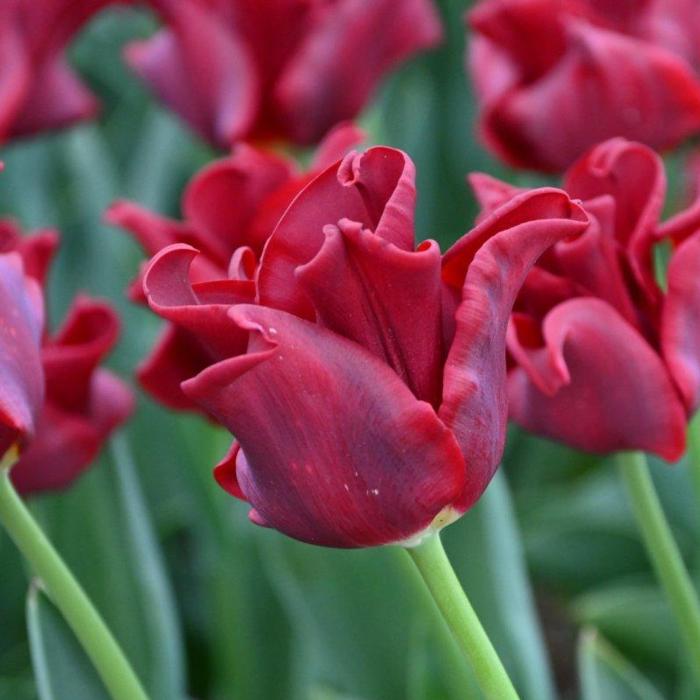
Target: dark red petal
(225, 472)
(21, 374)
(619, 395)
(203, 313)
(634, 176)
(606, 85)
(201, 69)
(15, 69)
(338, 452)
(71, 356)
(342, 59)
(341, 139)
(680, 321)
(375, 188)
(222, 198)
(384, 298)
(37, 251)
(56, 99)
(497, 255)
(490, 192)
(177, 356)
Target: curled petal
(223, 197)
(498, 255)
(200, 309)
(615, 393)
(335, 450)
(37, 251)
(384, 298)
(340, 62)
(71, 356)
(201, 69)
(680, 334)
(21, 374)
(375, 189)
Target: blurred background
(208, 606)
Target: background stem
(437, 572)
(662, 550)
(68, 596)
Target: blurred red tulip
(602, 358)
(363, 378)
(230, 209)
(273, 69)
(38, 90)
(555, 77)
(82, 403)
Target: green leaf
(61, 668)
(606, 675)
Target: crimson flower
(287, 69)
(38, 90)
(603, 358)
(556, 77)
(230, 209)
(363, 377)
(62, 405)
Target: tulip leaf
(61, 668)
(606, 675)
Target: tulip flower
(56, 407)
(554, 78)
(82, 403)
(364, 377)
(602, 357)
(38, 89)
(288, 69)
(230, 209)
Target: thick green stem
(437, 572)
(663, 551)
(694, 455)
(67, 594)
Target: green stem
(437, 572)
(662, 550)
(694, 455)
(67, 594)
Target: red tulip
(230, 209)
(364, 379)
(554, 78)
(82, 402)
(287, 69)
(602, 358)
(38, 89)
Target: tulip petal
(337, 451)
(201, 69)
(497, 256)
(341, 61)
(223, 197)
(21, 374)
(618, 396)
(384, 298)
(199, 309)
(375, 188)
(607, 84)
(680, 338)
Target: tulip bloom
(363, 378)
(288, 69)
(554, 78)
(62, 406)
(38, 90)
(230, 209)
(602, 358)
